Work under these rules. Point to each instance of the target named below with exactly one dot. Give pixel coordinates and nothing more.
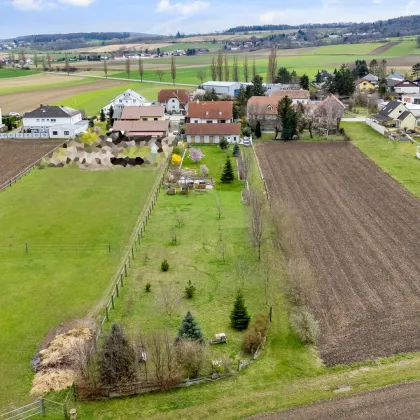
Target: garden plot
(359, 230)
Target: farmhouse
(407, 86)
(364, 85)
(142, 128)
(264, 110)
(144, 113)
(56, 121)
(395, 115)
(297, 96)
(223, 88)
(212, 133)
(127, 98)
(174, 100)
(209, 112)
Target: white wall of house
(42, 124)
(223, 89)
(64, 132)
(412, 98)
(208, 120)
(234, 138)
(407, 89)
(173, 104)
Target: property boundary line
(261, 175)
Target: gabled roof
(332, 97)
(370, 77)
(389, 107)
(131, 93)
(392, 82)
(380, 117)
(137, 112)
(264, 105)
(47, 111)
(406, 83)
(358, 82)
(292, 94)
(395, 75)
(213, 129)
(183, 95)
(403, 115)
(217, 110)
(141, 126)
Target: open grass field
(6, 73)
(67, 217)
(352, 49)
(358, 230)
(401, 49)
(17, 154)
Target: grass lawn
(403, 48)
(92, 102)
(67, 217)
(6, 73)
(352, 49)
(398, 159)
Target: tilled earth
(360, 231)
(18, 154)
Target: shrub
(254, 337)
(176, 159)
(304, 324)
(148, 287)
(189, 290)
(236, 150)
(239, 318)
(191, 356)
(223, 143)
(190, 330)
(204, 170)
(195, 154)
(177, 150)
(164, 266)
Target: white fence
(379, 128)
(24, 136)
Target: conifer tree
(227, 174)
(190, 330)
(102, 115)
(118, 360)
(258, 130)
(239, 318)
(235, 151)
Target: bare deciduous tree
(272, 65)
(226, 69)
(168, 298)
(219, 66)
(246, 69)
(218, 208)
(128, 68)
(173, 69)
(201, 74)
(141, 69)
(329, 116)
(235, 69)
(106, 68)
(221, 246)
(159, 74)
(257, 221)
(254, 69)
(213, 69)
(191, 356)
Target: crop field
(6, 73)
(352, 49)
(18, 154)
(359, 230)
(67, 217)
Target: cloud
(27, 4)
(31, 5)
(77, 3)
(182, 8)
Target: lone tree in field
(226, 69)
(66, 65)
(128, 68)
(102, 116)
(219, 66)
(117, 363)
(190, 330)
(254, 69)
(201, 74)
(235, 69)
(239, 318)
(141, 69)
(213, 69)
(106, 68)
(272, 65)
(173, 69)
(227, 176)
(246, 69)
(159, 74)
(36, 61)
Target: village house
(407, 86)
(56, 121)
(140, 128)
(365, 85)
(127, 98)
(297, 96)
(209, 112)
(174, 100)
(264, 110)
(222, 88)
(273, 87)
(144, 113)
(212, 133)
(395, 115)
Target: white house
(411, 98)
(174, 100)
(127, 98)
(56, 121)
(223, 88)
(212, 133)
(209, 112)
(407, 86)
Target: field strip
(384, 48)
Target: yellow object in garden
(176, 159)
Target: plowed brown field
(18, 154)
(360, 231)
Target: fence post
(42, 407)
(125, 269)
(116, 289)
(271, 312)
(132, 252)
(122, 282)
(129, 261)
(26, 246)
(107, 314)
(138, 236)
(112, 301)
(109, 246)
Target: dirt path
(27, 101)
(394, 402)
(384, 48)
(360, 231)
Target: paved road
(397, 402)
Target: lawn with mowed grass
(6, 73)
(398, 159)
(67, 217)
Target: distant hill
(404, 25)
(87, 36)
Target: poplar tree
(246, 69)
(173, 69)
(226, 69)
(141, 69)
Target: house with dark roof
(209, 112)
(174, 100)
(395, 115)
(407, 86)
(212, 133)
(56, 121)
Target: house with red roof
(174, 100)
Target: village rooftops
(182, 95)
(138, 126)
(210, 110)
(292, 94)
(213, 129)
(138, 112)
(263, 104)
(47, 111)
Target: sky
(27, 17)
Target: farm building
(144, 113)
(56, 121)
(212, 133)
(142, 128)
(174, 100)
(395, 115)
(407, 86)
(297, 96)
(127, 98)
(223, 88)
(209, 112)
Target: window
(37, 120)
(144, 119)
(173, 100)
(43, 120)
(53, 120)
(55, 133)
(196, 121)
(234, 138)
(67, 133)
(155, 119)
(134, 101)
(209, 122)
(120, 101)
(417, 101)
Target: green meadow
(7, 73)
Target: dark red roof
(215, 110)
(183, 95)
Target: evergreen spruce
(227, 174)
(117, 362)
(236, 150)
(258, 130)
(102, 115)
(239, 318)
(190, 330)
(223, 144)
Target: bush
(304, 324)
(236, 150)
(189, 290)
(254, 337)
(204, 170)
(164, 266)
(223, 144)
(148, 287)
(176, 159)
(191, 356)
(177, 151)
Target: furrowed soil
(360, 232)
(384, 48)
(18, 154)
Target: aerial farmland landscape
(205, 220)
